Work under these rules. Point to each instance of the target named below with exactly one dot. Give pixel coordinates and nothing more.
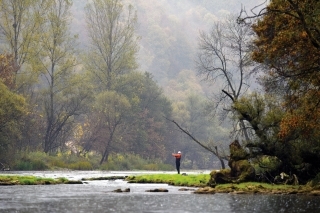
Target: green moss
(29, 180)
(255, 187)
(176, 179)
(202, 180)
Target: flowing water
(98, 196)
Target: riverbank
(260, 188)
(6, 180)
(192, 180)
(200, 181)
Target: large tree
(20, 22)
(287, 46)
(113, 43)
(20, 26)
(147, 129)
(130, 118)
(112, 54)
(112, 107)
(223, 60)
(62, 94)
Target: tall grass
(42, 161)
(133, 162)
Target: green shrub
(124, 165)
(38, 165)
(81, 165)
(23, 166)
(38, 156)
(106, 166)
(26, 164)
(266, 163)
(57, 163)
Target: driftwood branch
(215, 152)
(193, 138)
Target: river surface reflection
(97, 196)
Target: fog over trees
(168, 45)
(168, 30)
(109, 75)
(131, 81)
(169, 34)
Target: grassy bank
(201, 180)
(31, 180)
(262, 188)
(193, 180)
(176, 180)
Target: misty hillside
(169, 32)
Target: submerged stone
(73, 182)
(186, 189)
(205, 190)
(157, 190)
(120, 190)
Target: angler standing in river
(178, 157)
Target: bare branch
(230, 96)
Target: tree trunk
(243, 127)
(223, 166)
(105, 154)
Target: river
(98, 196)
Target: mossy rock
(242, 170)
(237, 152)
(205, 190)
(220, 177)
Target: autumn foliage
(288, 46)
